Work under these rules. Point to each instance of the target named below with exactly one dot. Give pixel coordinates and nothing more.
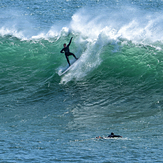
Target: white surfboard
(69, 68)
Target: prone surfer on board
(110, 136)
(67, 51)
(114, 136)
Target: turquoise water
(115, 87)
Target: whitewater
(116, 86)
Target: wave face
(118, 50)
(116, 85)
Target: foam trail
(82, 68)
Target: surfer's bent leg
(68, 60)
(73, 55)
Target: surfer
(113, 136)
(67, 51)
(99, 137)
(110, 136)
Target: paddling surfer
(67, 51)
(109, 136)
(114, 136)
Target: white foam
(6, 31)
(128, 23)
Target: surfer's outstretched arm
(70, 41)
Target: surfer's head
(112, 133)
(64, 45)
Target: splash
(129, 23)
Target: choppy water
(115, 87)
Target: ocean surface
(116, 85)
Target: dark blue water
(116, 85)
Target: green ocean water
(115, 87)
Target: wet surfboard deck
(62, 73)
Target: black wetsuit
(67, 52)
(114, 136)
